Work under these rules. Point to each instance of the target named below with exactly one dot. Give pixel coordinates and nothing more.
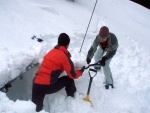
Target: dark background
(145, 3)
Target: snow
(20, 20)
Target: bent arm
(93, 48)
(69, 68)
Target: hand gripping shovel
(90, 83)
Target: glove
(102, 61)
(88, 60)
(82, 69)
(39, 40)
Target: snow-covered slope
(20, 20)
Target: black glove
(88, 60)
(39, 40)
(102, 61)
(82, 69)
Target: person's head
(103, 33)
(63, 40)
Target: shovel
(90, 83)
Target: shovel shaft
(90, 83)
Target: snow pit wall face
(22, 88)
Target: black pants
(39, 91)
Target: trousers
(39, 91)
(107, 71)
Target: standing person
(47, 80)
(108, 45)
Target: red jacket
(55, 62)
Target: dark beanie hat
(104, 31)
(63, 39)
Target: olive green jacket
(110, 49)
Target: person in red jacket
(47, 80)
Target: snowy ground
(20, 20)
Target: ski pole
(88, 26)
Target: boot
(107, 86)
(112, 86)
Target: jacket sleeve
(93, 48)
(69, 68)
